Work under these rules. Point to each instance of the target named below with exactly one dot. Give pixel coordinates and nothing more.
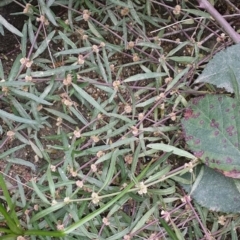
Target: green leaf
(61, 115)
(211, 127)
(144, 76)
(217, 71)
(89, 98)
(44, 44)
(12, 117)
(214, 191)
(169, 148)
(30, 96)
(9, 26)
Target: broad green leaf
(215, 191)
(218, 70)
(211, 127)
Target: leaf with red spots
(211, 126)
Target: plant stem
(219, 18)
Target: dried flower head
(127, 237)
(79, 183)
(173, 116)
(95, 198)
(177, 10)
(86, 15)
(43, 20)
(81, 59)
(11, 134)
(60, 227)
(166, 215)
(221, 220)
(112, 67)
(94, 167)
(67, 102)
(130, 45)
(140, 116)
(28, 9)
(142, 188)
(53, 168)
(26, 62)
(128, 159)
(116, 84)
(100, 154)
(95, 139)
(128, 109)
(66, 200)
(135, 58)
(95, 48)
(59, 121)
(134, 130)
(102, 44)
(77, 133)
(124, 11)
(28, 78)
(168, 79)
(106, 221)
(68, 80)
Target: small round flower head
(134, 130)
(166, 215)
(53, 168)
(80, 59)
(100, 154)
(68, 80)
(142, 188)
(43, 20)
(140, 116)
(26, 61)
(95, 198)
(94, 167)
(173, 116)
(124, 11)
(28, 9)
(106, 221)
(116, 84)
(177, 10)
(128, 159)
(54, 202)
(135, 58)
(95, 48)
(66, 200)
(221, 220)
(95, 139)
(79, 183)
(127, 237)
(28, 78)
(77, 133)
(10, 134)
(130, 45)
(86, 15)
(59, 121)
(60, 227)
(67, 102)
(128, 109)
